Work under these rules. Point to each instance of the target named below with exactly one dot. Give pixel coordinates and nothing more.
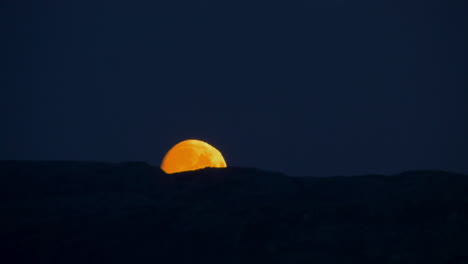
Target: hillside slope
(91, 212)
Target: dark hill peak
(95, 212)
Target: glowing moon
(190, 155)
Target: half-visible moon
(191, 155)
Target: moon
(191, 155)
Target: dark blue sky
(314, 88)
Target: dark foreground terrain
(86, 212)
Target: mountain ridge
(94, 212)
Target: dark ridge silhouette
(94, 212)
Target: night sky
(315, 88)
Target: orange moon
(191, 155)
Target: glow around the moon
(190, 155)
